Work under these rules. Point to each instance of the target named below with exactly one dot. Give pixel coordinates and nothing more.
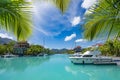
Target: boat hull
(82, 60)
(90, 60)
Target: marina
(59, 39)
(54, 67)
(93, 57)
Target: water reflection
(92, 72)
(55, 67)
(22, 63)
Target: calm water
(56, 67)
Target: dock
(105, 63)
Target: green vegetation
(37, 49)
(15, 18)
(32, 50)
(103, 20)
(63, 51)
(62, 4)
(70, 51)
(86, 49)
(6, 48)
(111, 48)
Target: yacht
(77, 54)
(91, 57)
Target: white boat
(91, 57)
(42, 54)
(8, 56)
(78, 54)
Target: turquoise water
(55, 67)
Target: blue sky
(56, 29)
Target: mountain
(59, 50)
(5, 40)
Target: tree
(62, 4)
(3, 49)
(34, 50)
(10, 46)
(111, 47)
(117, 47)
(15, 18)
(103, 17)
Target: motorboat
(42, 54)
(77, 54)
(8, 55)
(92, 57)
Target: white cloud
(88, 3)
(76, 21)
(5, 35)
(80, 40)
(68, 38)
(45, 23)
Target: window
(87, 55)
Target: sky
(52, 29)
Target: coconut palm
(15, 18)
(103, 18)
(62, 4)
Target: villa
(20, 48)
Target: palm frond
(62, 4)
(103, 19)
(15, 18)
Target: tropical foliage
(103, 18)
(70, 51)
(111, 47)
(37, 49)
(6, 48)
(62, 4)
(32, 50)
(15, 18)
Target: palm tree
(62, 4)
(103, 17)
(15, 18)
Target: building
(77, 49)
(20, 48)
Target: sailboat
(43, 53)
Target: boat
(42, 54)
(77, 54)
(92, 57)
(8, 55)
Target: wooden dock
(105, 63)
